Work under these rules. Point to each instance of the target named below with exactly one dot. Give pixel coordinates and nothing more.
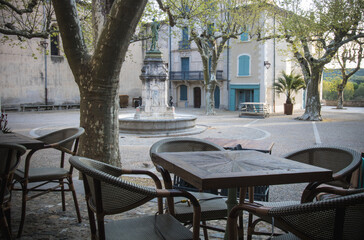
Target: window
(244, 37)
(185, 34)
(55, 42)
(183, 92)
(244, 65)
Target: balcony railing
(192, 75)
(184, 45)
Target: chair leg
(205, 233)
(23, 209)
(5, 225)
(72, 187)
(8, 218)
(91, 218)
(61, 183)
(100, 226)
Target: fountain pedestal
(155, 117)
(154, 92)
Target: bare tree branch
(28, 9)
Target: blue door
(185, 66)
(217, 97)
(245, 95)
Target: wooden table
(232, 169)
(28, 142)
(261, 146)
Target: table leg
(230, 202)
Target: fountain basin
(151, 126)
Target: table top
(264, 146)
(28, 142)
(229, 169)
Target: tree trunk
(313, 104)
(340, 96)
(209, 90)
(99, 116)
(97, 75)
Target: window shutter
(244, 37)
(183, 92)
(244, 65)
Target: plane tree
(315, 34)
(95, 71)
(350, 53)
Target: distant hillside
(329, 74)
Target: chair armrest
(143, 172)
(334, 191)
(168, 193)
(156, 180)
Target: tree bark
(313, 104)
(97, 75)
(340, 95)
(210, 89)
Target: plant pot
(288, 108)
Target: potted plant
(289, 84)
(4, 123)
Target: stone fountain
(155, 117)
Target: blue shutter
(183, 92)
(184, 34)
(244, 65)
(244, 37)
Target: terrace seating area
(110, 198)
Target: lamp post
(44, 45)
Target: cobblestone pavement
(45, 219)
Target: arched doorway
(217, 97)
(196, 97)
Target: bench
(253, 109)
(41, 107)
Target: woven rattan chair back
(62, 138)
(66, 141)
(107, 192)
(9, 160)
(211, 209)
(342, 161)
(336, 218)
(185, 144)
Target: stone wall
(346, 103)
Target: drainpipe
(45, 45)
(274, 63)
(228, 72)
(170, 58)
(45, 77)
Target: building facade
(38, 73)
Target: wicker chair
(9, 160)
(336, 218)
(107, 194)
(62, 140)
(214, 207)
(342, 161)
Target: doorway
(196, 97)
(245, 95)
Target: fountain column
(154, 79)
